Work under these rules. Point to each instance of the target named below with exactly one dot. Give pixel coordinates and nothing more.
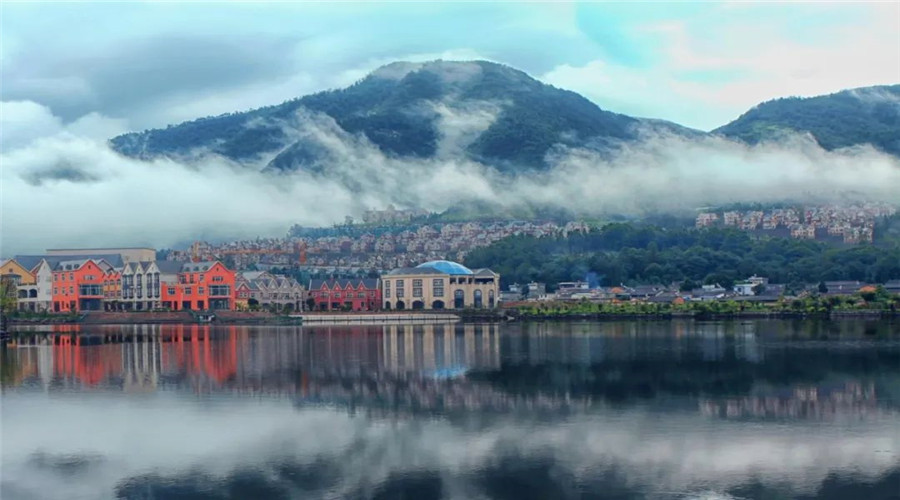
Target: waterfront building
(78, 285)
(344, 295)
(261, 288)
(37, 296)
(440, 284)
(199, 286)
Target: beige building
(440, 284)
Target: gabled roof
(36, 267)
(332, 283)
(30, 261)
(75, 264)
(168, 266)
(252, 275)
(198, 267)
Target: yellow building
(11, 268)
(440, 284)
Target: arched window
(491, 299)
(459, 299)
(479, 301)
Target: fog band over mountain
(62, 174)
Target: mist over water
(752, 409)
(51, 169)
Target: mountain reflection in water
(681, 409)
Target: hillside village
(848, 224)
(400, 246)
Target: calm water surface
(743, 409)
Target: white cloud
(24, 121)
(707, 78)
(69, 190)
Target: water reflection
(758, 409)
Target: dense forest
(631, 254)
(847, 118)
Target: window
(438, 282)
(170, 290)
(400, 293)
(438, 291)
(387, 293)
(55, 291)
(71, 276)
(201, 290)
(55, 277)
(71, 289)
(220, 290)
(202, 276)
(88, 276)
(218, 279)
(417, 283)
(417, 291)
(361, 295)
(187, 290)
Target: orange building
(78, 285)
(200, 286)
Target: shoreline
(515, 316)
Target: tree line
(632, 254)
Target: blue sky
(141, 65)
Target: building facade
(260, 288)
(440, 284)
(344, 295)
(199, 286)
(78, 285)
(38, 296)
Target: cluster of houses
(389, 250)
(850, 224)
(132, 279)
(753, 289)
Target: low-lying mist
(65, 187)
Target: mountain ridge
(487, 113)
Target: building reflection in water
(726, 370)
(144, 357)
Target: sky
(150, 64)
(74, 74)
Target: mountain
(477, 110)
(847, 118)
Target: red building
(78, 285)
(200, 286)
(344, 295)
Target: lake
(761, 409)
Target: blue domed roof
(446, 267)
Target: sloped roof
(197, 267)
(367, 283)
(30, 261)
